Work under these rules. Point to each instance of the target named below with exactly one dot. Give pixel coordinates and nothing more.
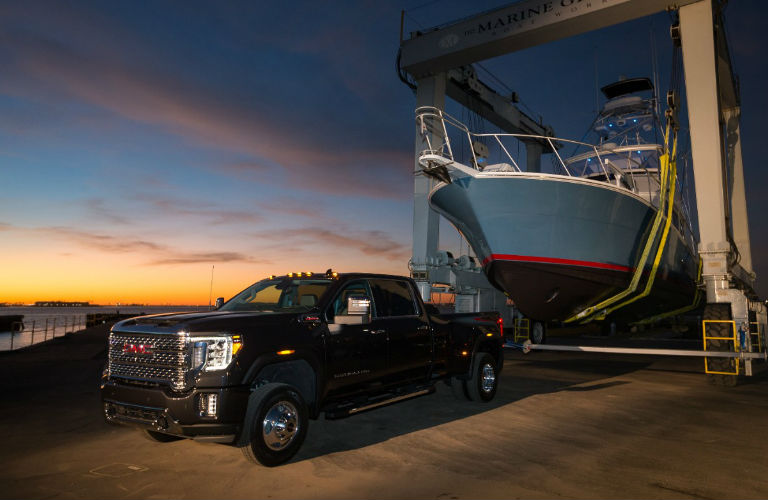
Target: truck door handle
(375, 332)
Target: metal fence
(41, 330)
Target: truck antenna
(210, 291)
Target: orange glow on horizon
(101, 278)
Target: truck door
(355, 355)
(398, 312)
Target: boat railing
(436, 128)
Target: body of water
(45, 323)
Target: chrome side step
(422, 392)
(342, 412)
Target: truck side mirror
(358, 305)
(219, 302)
(358, 311)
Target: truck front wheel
(275, 425)
(485, 378)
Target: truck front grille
(162, 358)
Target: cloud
(99, 208)
(214, 213)
(99, 241)
(153, 253)
(316, 152)
(215, 257)
(283, 206)
(373, 243)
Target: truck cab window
(279, 296)
(393, 298)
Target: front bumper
(160, 410)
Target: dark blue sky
(141, 143)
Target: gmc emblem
(137, 348)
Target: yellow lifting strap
(660, 249)
(667, 196)
(693, 305)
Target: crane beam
(517, 26)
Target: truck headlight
(214, 353)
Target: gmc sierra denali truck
(286, 349)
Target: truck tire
(719, 311)
(159, 437)
(538, 333)
(275, 425)
(484, 380)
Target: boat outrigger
(606, 233)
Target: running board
(344, 412)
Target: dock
(563, 424)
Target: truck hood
(203, 321)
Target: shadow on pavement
(381, 424)
(51, 397)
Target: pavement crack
(681, 491)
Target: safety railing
(733, 338)
(522, 328)
(28, 333)
(435, 127)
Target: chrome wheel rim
(489, 377)
(280, 425)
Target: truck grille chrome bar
(161, 358)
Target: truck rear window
(393, 298)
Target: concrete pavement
(563, 425)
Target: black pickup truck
(287, 348)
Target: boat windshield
(279, 295)
(641, 158)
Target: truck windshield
(279, 295)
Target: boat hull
(557, 244)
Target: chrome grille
(162, 359)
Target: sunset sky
(143, 143)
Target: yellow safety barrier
(733, 338)
(522, 329)
(756, 333)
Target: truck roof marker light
(330, 273)
(237, 344)
(285, 352)
(290, 275)
(464, 353)
(489, 335)
(308, 274)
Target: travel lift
(439, 63)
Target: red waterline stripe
(553, 260)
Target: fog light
(162, 423)
(109, 410)
(208, 404)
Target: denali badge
(137, 348)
